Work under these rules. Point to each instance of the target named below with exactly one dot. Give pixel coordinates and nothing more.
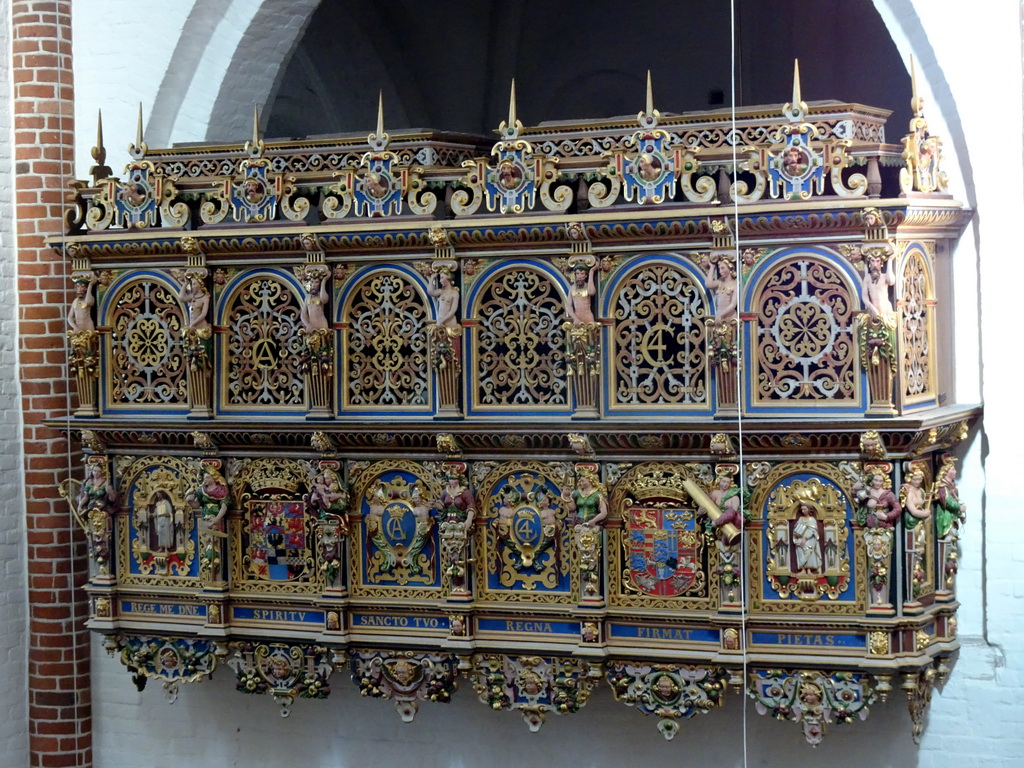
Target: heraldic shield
(665, 551)
(278, 548)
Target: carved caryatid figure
(210, 500)
(589, 502)
(728, 497)
(722, 328)
(949, 512)
(83, 337)
(312, 315)
(878, 509)
(878, 323)
(916, 501)
(196, 298)
(316, 336)
(721, 278)
(446, 334)
(582, 332)
(93, 509)
(949, 515)
(328, 498)
(457, 509)
(917, 509)
(197, 338)
(80, 311)
(878, 506)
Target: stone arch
(229, 57)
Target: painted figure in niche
(509, 176)
(328, 498)
(794, 161)
(878, 505)
(807, 548)
(163, 516)
(949, 512)
(588, 500)
(80, 311)
(649, 167)
(582, 334)
(254, 191)
(376, 185)
(94, 509)
(133, 194)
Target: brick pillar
(59, 709)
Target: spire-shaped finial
(512, 104)
(916, 102)
(254, 146)
(378, 140)
(796, 109)
(649, 117)
(99, 153)
(138, 149)
(510, 129)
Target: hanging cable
(744, 548)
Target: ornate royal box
(658, 403)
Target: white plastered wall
(970, 59)
(13, 585)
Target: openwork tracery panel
(520, 342)
(659, 339)
(916, 329)
(264, 346)
(146, 358)
(386, 359)
(805, 347)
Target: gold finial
(512, 104)
(649, 117)
(512, 127)
(254, 147)
(796, 81)
(378, 140)
(99, 153)
(138, 149)
(916, 102)
(796, 109)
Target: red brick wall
(60, 727)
